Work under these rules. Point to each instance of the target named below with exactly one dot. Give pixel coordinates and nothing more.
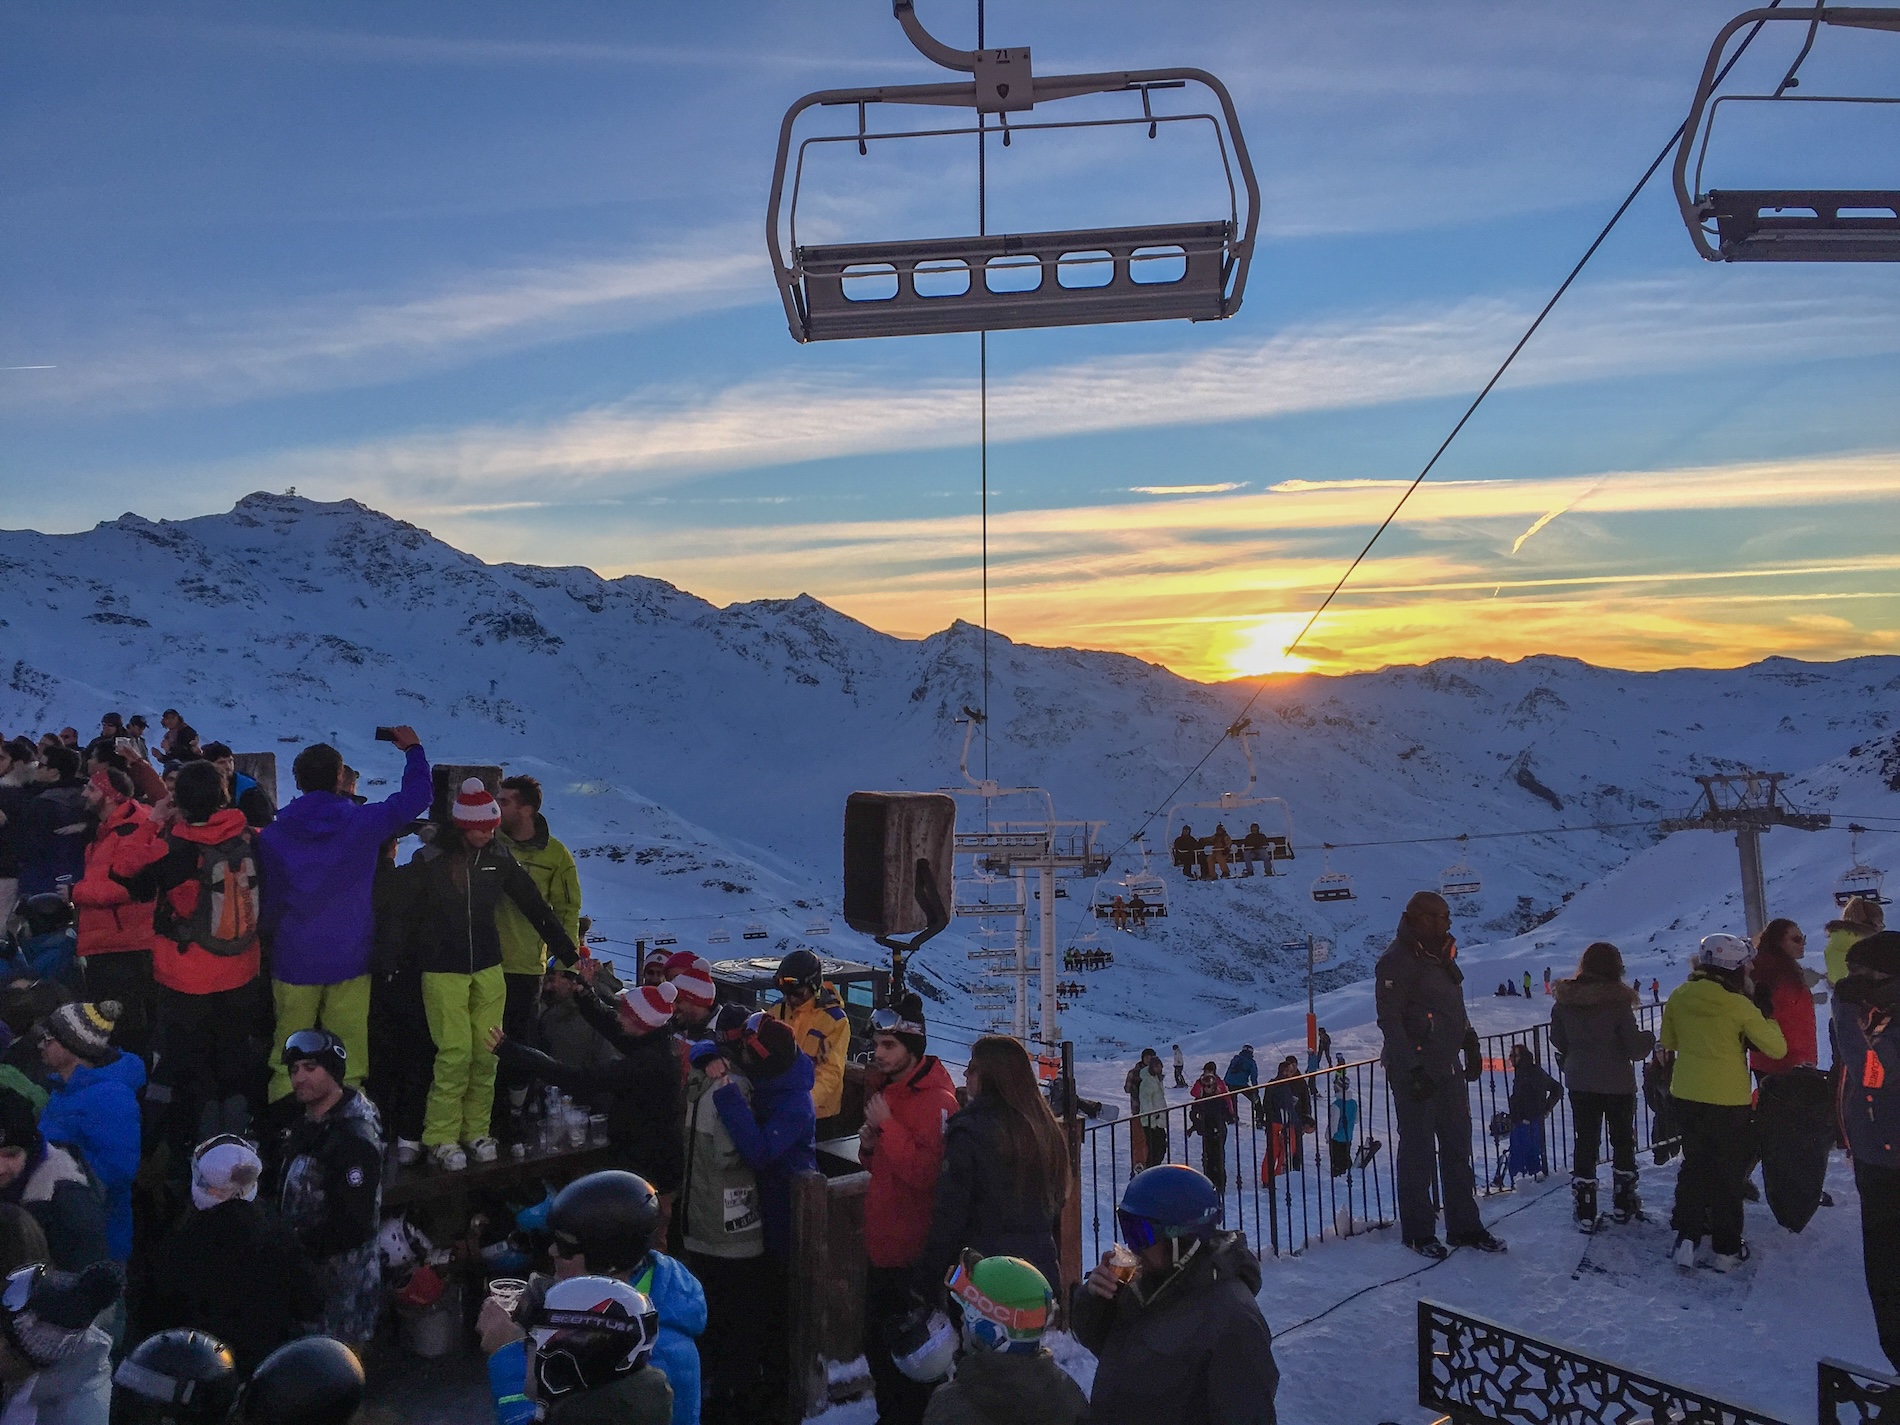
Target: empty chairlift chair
(1332, 885)
(1195, 270)
(1860, 881)
(755, 930)
(1786, 224)
(1459, 879)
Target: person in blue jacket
(94, 1106)
(603, 1225)
(1242, 1076)
(777, 1134)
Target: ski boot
(1585, 1191)
(1625, 1205)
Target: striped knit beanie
(474, 806)
(646, 1008)
(86, 1029)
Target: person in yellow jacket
(1860, 918)
(1709, 1024)
(524, 954)
(817, 1019)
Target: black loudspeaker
(449, 777)
(898, 861)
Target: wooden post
(1069, 1249)
(811, 1233)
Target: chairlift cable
(1470, 411)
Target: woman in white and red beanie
(450, 893)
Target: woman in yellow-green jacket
(1709, 1025)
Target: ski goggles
(1141, 1233)
(1018, 1322)
(313, 1044)
(889, 1021)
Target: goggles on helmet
(889, 1021)
(313, 1044)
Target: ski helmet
(923, 1344)
(175, 1378)
(608, 1218)
(1724, 952)
(589, 1332)
(1169, 1202)
(800, 970)
(319, 1046)
(1006, 1303)
(315, 1380)
(46, 913)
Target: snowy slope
(698, 758)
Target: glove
(1422, 1086)
(1473, 1056)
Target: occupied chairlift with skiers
(1137, 898)
(1213, 856)
(1860, 881)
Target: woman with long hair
(1598, 1042)
(1782, 993)
(1005, 1170)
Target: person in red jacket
(902, 1145)
(1781, 993)
(115, 931)
(197, 860)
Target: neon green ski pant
(461, 1009)
(342, 1008)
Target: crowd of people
(226, 1023)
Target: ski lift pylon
(1193, 270)
(1860, 881)
(1332, 885)
(1784, 224)
(1459, 879)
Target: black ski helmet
(46, 912)
(800, 970)
(175, 1378)
(318, 1046)
(607, 1217)
(315, 1380)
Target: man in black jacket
(458, 881)
(1182, 1338)
(1430, 1052)
(645, 1115)
(330, 1183)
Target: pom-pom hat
(474, 806)
(646, 1008)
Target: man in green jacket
(524, 955)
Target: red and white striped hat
(646, 1008)
(691, 978)
(474, 806)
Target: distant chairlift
(1194, 270)
(1860, 881)
(664, 939)
(755, 930)
(1152, 890)
(1332, 885)
(1784, 224)
(719, 935)
(1459, 879)
(819, 925)
(1202, 855)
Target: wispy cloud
(660, 436)
(363, 340)
(1219, 489)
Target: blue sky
(500, 271)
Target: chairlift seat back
(1806, 225)
(1158, 272)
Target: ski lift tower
(1748, 804)
(1046, 848)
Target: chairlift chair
(1252, 845)
(719, 935)
(819, 926)
(755, 930)
(1459, 879)
(1332, 885)
(664, 940)
(1860, 881)
(1784, 224)
(1152, 889)
(1195, 270)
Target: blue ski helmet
(1169, 1201)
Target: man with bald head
(1430, 1052)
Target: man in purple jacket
(317, 862)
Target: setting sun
(1261, 647)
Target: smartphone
(385, 734)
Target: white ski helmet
(401, 1246)
(923, 1346)
(1724, 952)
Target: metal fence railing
(1851, 1395)
(1290, 1189)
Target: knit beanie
(46, 1312)
(910, 1029)
(1879, 952)
(474, 806)
(86, 1029)
(691, 978)
(223, 1169)
(19, 1121)
(646, 1008)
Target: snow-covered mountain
(698, 758)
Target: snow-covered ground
(1344, 1313)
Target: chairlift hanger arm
(1858, 17)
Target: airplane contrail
(29, 368)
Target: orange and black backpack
(217, 907)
